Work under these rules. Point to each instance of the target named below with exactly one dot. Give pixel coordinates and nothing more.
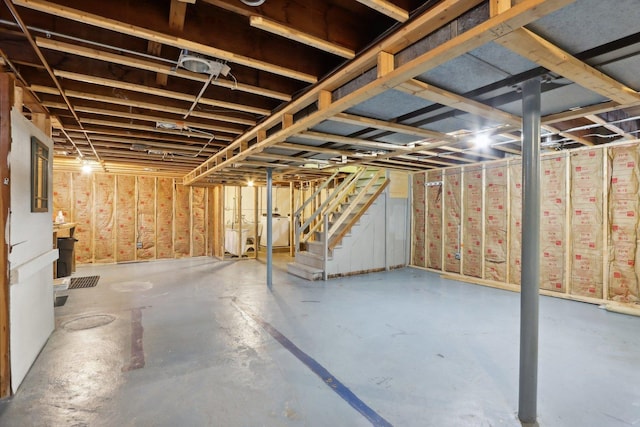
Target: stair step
(316, 248)
(310, 259)
(304, 271)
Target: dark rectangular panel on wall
(126, 218)
(472, 222)
(146, 218)
(586, 223)
(452, 210)
(623, 222)
(198, 209)
(515, 222)
(434, 219)
(103, 224)
(496, 198)
(182, 240)
(419, 207)
(164, 218)
(553, 223)
(83, 216)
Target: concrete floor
(201, 342)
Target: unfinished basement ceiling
(303, 86)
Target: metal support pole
(529, 297)
(325, 246)
(269, 229)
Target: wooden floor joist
(495, 27)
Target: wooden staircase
(323, 230)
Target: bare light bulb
(481, 141)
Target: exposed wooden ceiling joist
(444, 97)
(107, 68)
(390, 126)
(326, 137)
(159, 92)
(156, 107)
(300, 37)
(387, 8)
(144, 33)
(143, 117)
(148, 65)
(416, 28)
(519, 15)
(535, 48)
(613, 128)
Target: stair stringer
(363, 248)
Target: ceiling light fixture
(86, 168)
(253, 3)
(202, 65)
(170, 125)
(481, 141)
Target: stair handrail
(336, 225)
(300, 210)
(315, 194)
(335, 197)
(337, 200)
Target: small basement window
(39, 176)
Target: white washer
(280, 231)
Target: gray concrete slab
(187, 342)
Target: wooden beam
(282, 30)
(155, 48)
(18, 98)
(542, 52)
(498, 6)
(159, 92)
(414, 30)
(390, 126)
(7, 85)
(143, 64)
(324, 99)
(122, 125)
(110, 141)
(581, 112)
(177, 14)
(519, 15)
(312, 149)
(180, 43)
(181, 138)
(287, 120)
(387, 8)
(386, 64)
(147, 105)
(577, 138)
(613, 128)
(144, 117)
(327, 137)
(459, 102)
(42, 122)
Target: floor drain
(88, 322)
